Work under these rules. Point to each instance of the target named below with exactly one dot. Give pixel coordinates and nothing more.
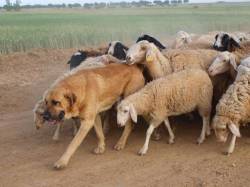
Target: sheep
(151, 40)
(81, 55)
(118, 50)
(183, 40)
(161, 64)
(233, 109)
(91, 62)
(228, 61)
(115, 48)
(226, 42)
(170, 96)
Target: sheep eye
(54, 102)
(125, 111)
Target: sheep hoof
(171, 141)
(200, 140)
(119, 146)
(227, 153)
(142, 152)
(156, 137)
(99, 150)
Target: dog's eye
(54, 102)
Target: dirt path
(27, 155)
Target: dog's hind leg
(99, 132)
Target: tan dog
(39, 120)
(86, 93)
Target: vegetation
(73, 28)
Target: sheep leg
(99, 132)
(156, 134)
(205, 125)
(171, 134)
(144, 149)
(126, 132)
(231, 145)
(57, 132)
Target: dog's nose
(46, 115)
(61, 115)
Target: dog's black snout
(61, 115)
(46, 115)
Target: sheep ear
(233, 61)
(234, 129)
(133, 113)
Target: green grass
(74, 28)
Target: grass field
(69, 28)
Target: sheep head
(141, 53)
(181, 39)
(126, 111)
(222, 63)
(222, 125)
(38, 114)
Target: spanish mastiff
(86, 93)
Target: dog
(85, 94)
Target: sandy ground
(27, 155)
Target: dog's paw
(60, 165)
(99, 150)
(119, 146)
(55, 138)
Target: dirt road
(27, 155)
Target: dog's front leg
(99, 132)
(86, 125)
(57, 132)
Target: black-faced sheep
(170, 96)
(226, 42)
(118, 50)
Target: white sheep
(183, 40)
(229, 61)
(233, 109)
(175, 94)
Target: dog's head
(59, 103)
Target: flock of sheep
(208, 73)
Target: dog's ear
(234, 129)
(133, 113)
(71, 98)
(233, 44)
